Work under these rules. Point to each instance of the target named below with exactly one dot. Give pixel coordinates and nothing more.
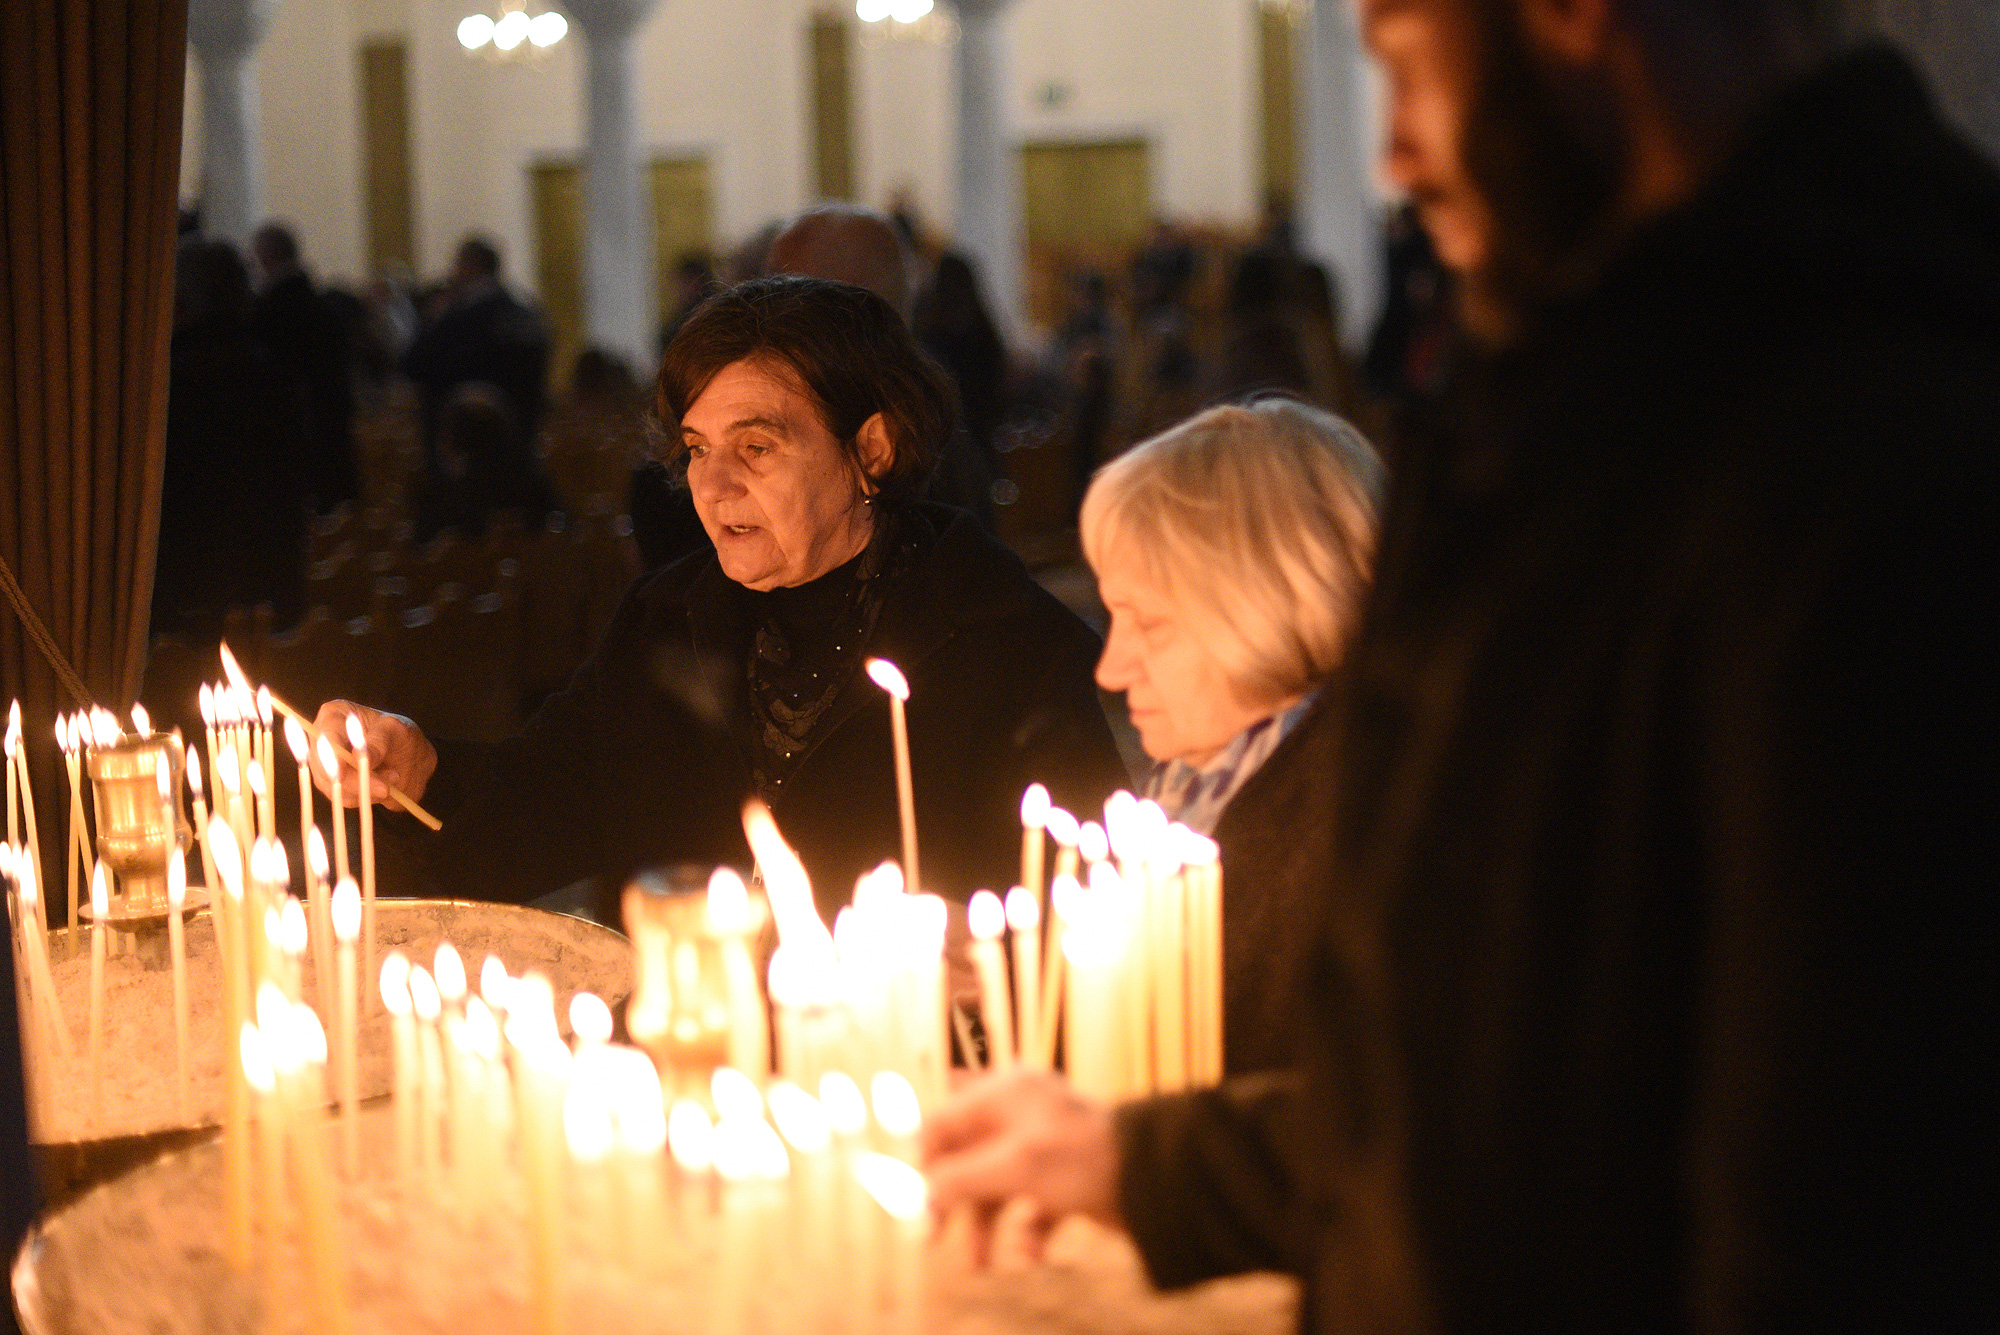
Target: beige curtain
(90, 126)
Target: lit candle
(177, 941)
(269, 815)
(1064, 892)
(13, 744)
(18, 771)
(905, 1200)
(891, 679)
(1204, 911)
(897, 1113)
(639, 1111)
(100, 909)
(1093, 1033)
(346, 915)
(988, 919)
(591, 1135)
(541, 1070)
(77, 856)
(260, 798)
(330, 763)
(300, 1058)
(292, 942)
(227, 865)
(403, 1035)
(785, 883)
(847, 1116)
(200, 817)
(1024, 916)
(428, 1006)
(365, 795)
(260, 1074)
(496, 1114)
(730, 920)
(47, 1006)
(749, 1157)
(691, 1142)
(804, 1125)
(1063, 828)
(1035, 807)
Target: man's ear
(877, 449)
(1574, 32)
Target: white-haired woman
(1232, 553)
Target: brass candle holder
(679, 1009)
(136, 789)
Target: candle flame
(482, 1031)
(310, 1034)
(590, 1018)
(329, 761)
(728, 903)
(1121, 813)
(449, 970)
(889, 677)
(225, 857)
(255, 1054)
(896, 1109)
(846, 1110)
(1035, 806)
(1066, 896)
(494, 982)
(587, 1125)
(885, 883)
(1092, 842)
(424, 993)
(691, 1136)
(295, 738)
(254, 773)
(194, 770)
(898, 1188)
(232, 671)
(62, 734)
(800, 1119)
(346, 914)
(735, 1094)
(280, 864)
(206, 696)
(1105, 880)
(293, 925)
(264, 705)
(786, 884)
(142, 722)
(25, 875)
(13, 726)
(357, 738)
(177, 880)
(6, 860)
(226, 772)
(272, 1010)
(395, 976)
(985, 915)
(104, 726)
(1023, 913)
(637, 1105)
(316, 852)
(748, 1150)
(1063, 827)
(1196, 849)
(274, 928)
(100, 892)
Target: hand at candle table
(1022, 1135)
(398, 753)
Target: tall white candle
(300, 1058)
(891, 679)
(729, 918)
(177, 941)
(228, 902)
(100, 909)
(403, 1036)
(346, 915)
(1024, 917)
(365, 796)
(261, 1077)
(13, 744)
(330, 763)
(47, 1005)
(1035, 807)
(425, 1002)
(988, 919)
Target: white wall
(727, 77)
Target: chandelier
(900, 20)
(901, 11)
(514, 32)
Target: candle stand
(136, 784)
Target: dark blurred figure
(311, 336)
(1260, 346)
(484, 468)
(233, 503)
(693, 280)
(664, 523)
(1162, 380)
(853, 244)
(392, 321)
(953, 325)
(481, 333)
(1083, 359)
(1406, 353)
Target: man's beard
(1547, 150)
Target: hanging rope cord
(40, 635)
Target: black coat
(643, 759)
(488, 337)
(302, 332)
(1646, 997)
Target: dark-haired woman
(808, 422)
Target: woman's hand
(1021, 1136)
(398, 753)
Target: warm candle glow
(985, 915)
(255, 1054)
(424, 997)
(691, 1136)
(395, 976)
(264, 705)
(449, 971)
(142, 722)
(222, 846)
(1121, 813)
(194, 770)
(1035, 807)
(896, 1108)
(637, 1106)
(226, 773)
(482, 1031)
(295, 738)
(728, 902)
(346, 915)
(493, 980)
(329, 760)
(293, 927)
(357, 736)
(1092, 842)
(177, 878)
(748, 1150)
(234, 673)
(898, 1188)
(889, 677)
(735, 1094)
(100, 894)
(1063, 827)
(785, 882)
(1023, 913)
(272, 1009)
(590, 1018)
(587, 1125)
(800, 1119)
(254, 774)
(846, 1110)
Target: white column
(989, 173)
(224, 35)
(1342, 212)
(621, 313)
